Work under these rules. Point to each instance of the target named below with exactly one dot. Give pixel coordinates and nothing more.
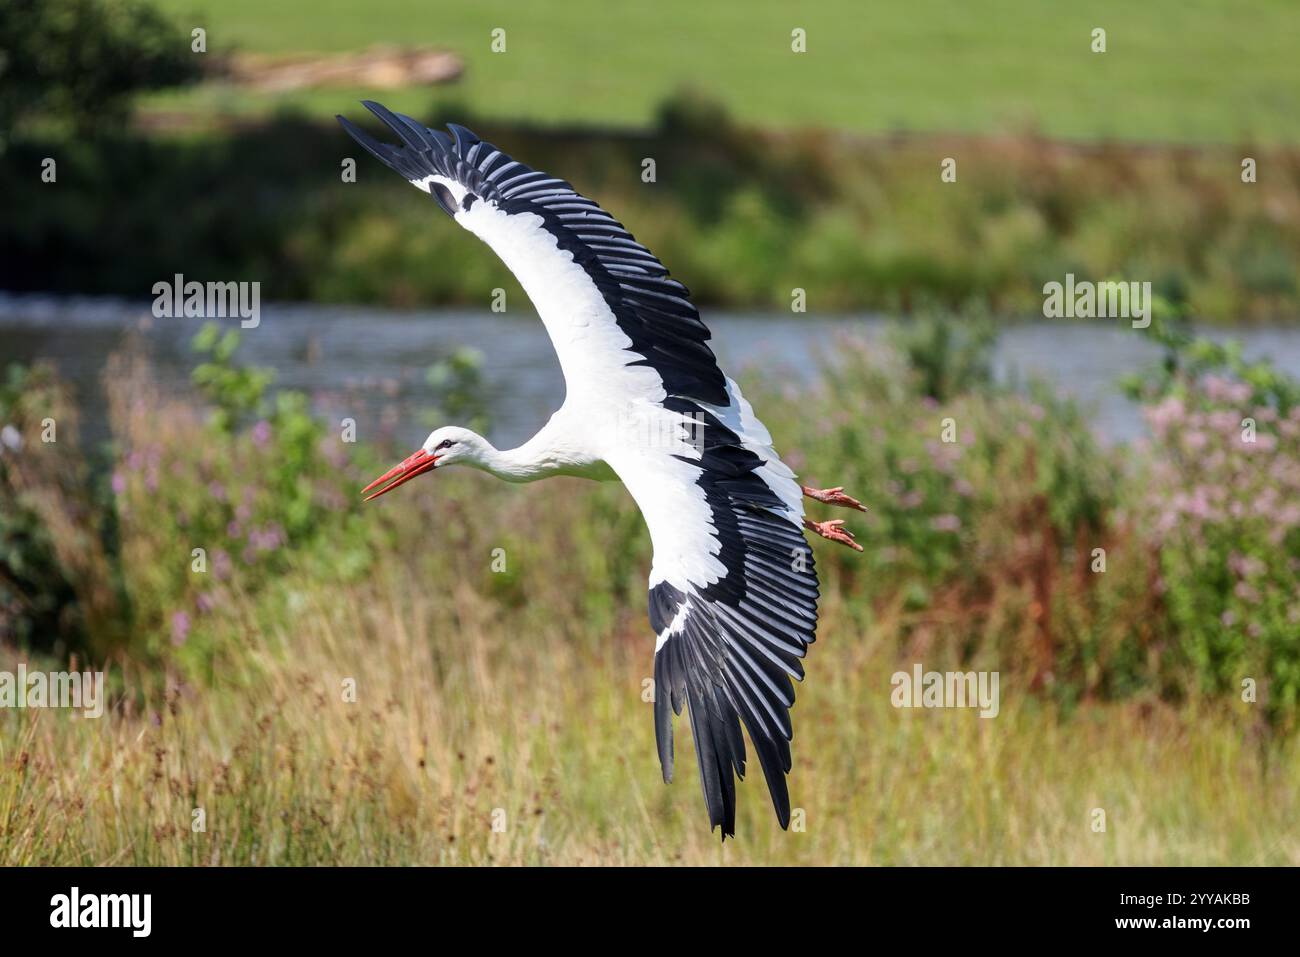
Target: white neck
(513, 465)
(551, 451)
(527, 463)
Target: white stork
(733, 590)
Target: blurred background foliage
(241, 180)
(79, 62)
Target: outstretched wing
(733, 596)
(733, 590)
(613, 315)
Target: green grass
(1196, 71)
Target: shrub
(1222, 501)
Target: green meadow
(1188, 72)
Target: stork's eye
(445, 443)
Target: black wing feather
(739, 640)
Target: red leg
(833, 531)
(834, 496)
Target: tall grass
(461, 712)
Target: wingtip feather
(368, 142)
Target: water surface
(371, 363)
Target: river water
(378, 358)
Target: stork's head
(449, 445)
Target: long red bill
(403, 472)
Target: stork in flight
(733, 588)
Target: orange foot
(834, 496)
(833, 531)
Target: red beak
(403, 472)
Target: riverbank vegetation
(338, 683)
(744, 218)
